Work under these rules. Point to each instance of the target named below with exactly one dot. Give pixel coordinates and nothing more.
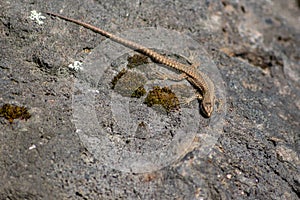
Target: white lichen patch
(76, 66)
(32, 147)
(37, 17)
(94, 91)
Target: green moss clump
(136, 60)
(117, 77)
(164, 97)
(139, 92)
(11, 112)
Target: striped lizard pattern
(198, 79)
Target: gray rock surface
(255, 46)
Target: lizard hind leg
(192, 60)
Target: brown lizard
(198, 79)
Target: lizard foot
(187, 101)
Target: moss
(139, 92)
(164, 97)
(136, 60)
(11, 112)
(117, 77)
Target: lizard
(198, 79)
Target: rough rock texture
(255, 45)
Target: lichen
(11, 112)
(136, 60)
(37, 17)
(76, 66)
(139, 92)
(117, 77)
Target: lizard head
(207, 107)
